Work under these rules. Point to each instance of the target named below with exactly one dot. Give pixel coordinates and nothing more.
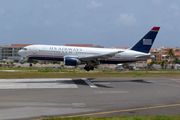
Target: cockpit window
(24, 48)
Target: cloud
(1, 11)
(76, 24)
(47, 22)
(173, 11)
(94, 4)
(51, 5)
(158, 2)
(174, 6)
(126, 19)
(8, 27)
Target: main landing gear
(30, 65)
(89, 67)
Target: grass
(157, 117)
(73, 73)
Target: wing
(98, 56)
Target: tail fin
(145, 43)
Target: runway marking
(89, 83)
(126, 110)
(37, 83)
(168, 84)
(42, 83)
(34, 79)
(176, 80)
(27, 99)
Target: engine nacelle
(71, 61)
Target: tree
(163, 63)
(151, 64)
(171, 53)
(62, 66)
(169, 62)
(126, 65)
(56, 62)
(96, 65)
(176, 60)
(32, 61)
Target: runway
(66, 97)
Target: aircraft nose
(20, 52)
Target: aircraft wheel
(87, 68)
(92, 68)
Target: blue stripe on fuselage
(115, 61)
(46, 58)
(62, 59)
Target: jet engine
(71, 61)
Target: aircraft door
(34, 50)
(123, 56)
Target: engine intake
(71, 61)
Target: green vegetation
(75, 73)
(176, 60)
(171, 53)
(121, 118)
(32, 61)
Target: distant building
(121, 47)
(20, 45)
(80, 45)
(160, 53)
(85, 45)
(98, 46)
(11, 52)
(176, 51)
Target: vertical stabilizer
(146, 42)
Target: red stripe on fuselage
(122, 59)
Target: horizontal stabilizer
(145, 56)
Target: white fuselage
(57, 53)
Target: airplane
(72, 56)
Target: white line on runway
(89, 83)
(34, 80)
(37, 83)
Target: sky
(109, 23)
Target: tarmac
(88, 97)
